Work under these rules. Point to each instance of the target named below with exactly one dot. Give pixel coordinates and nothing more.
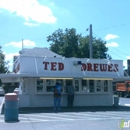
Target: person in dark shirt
(70, 97)
(57, 96)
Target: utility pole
(90, 42)
(22, 44)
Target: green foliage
(3, 68)
(70, 44)
(3, 64)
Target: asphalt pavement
(68, 120)
(77, 118)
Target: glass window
(67, 82)
(76, 85)
(91, 86)
(105, 84)
(98, 85)
(60, 81)
(84, 85)
(39, 85)
(49, 85)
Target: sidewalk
(66, 109)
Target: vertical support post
(22, 44)
(90, 42)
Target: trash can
(11, 107)
(116, 101)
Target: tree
(64, 43)
(3, 64)
(71, 44)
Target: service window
(76, 85)
(91, 86)
(105, 85)
(50, 83)
(39, 85)
(67, 82)
(60, 81)
(84, 85)
(98, 85)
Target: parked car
(2, 91)
(16, 90)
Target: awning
(6, 78)
(11, 78)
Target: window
(67, 82)
(60, 81)
(84, 85)
(76, 86)
(91, 86)
(105, 85)
(98, 85)
(39, 86)
(49, 85)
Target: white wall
(31, 99)
(34, 65)
(24, 100)
(46, 100)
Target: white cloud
(112, 44)
(30, 24)
(125, 62)
(111, 36)
(26, 43)
(128, 57)
(9, 57)
(30, 10)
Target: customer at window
(57, 96)
(70, 97)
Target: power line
(115, 49)
(116, 54)
(121, 52)
(114, 26)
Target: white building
(38, 69)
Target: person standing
(57, 96)
(70, 96)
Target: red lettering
(103, 67)
(17, 68)
(53, 65)
(116, 68)
(110, 67)
(83, 67)
(95, 67)
(46, 63)
(89, 67)
(61, 66)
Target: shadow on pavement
(74, 109)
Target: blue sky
(34, 20)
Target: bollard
(11, 107)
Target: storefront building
(91, 78)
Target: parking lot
(86, 118)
